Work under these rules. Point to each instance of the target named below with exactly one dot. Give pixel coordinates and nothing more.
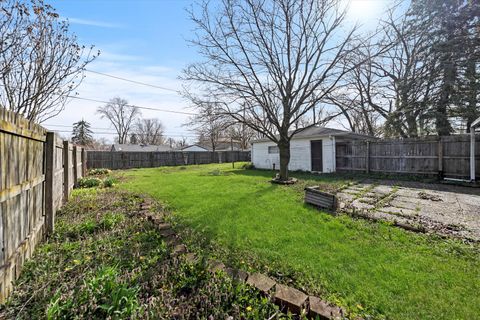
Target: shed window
(273, 149)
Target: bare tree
(208, 124)
(121, 115)
(408, 76)
(10, 35)
(241, 133)
(41, 62)
(362, 99)
(149, 131)
(100, 144)
(177, 143)
(268, 63)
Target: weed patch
(105, 262)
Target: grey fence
(37, 173)
(447, 156)
(128, 160)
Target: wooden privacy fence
(127, 160)
(447, 156)
(37, 173)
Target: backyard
(372, 269)
(106, 261)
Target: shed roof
(318, 131)
(195, 145)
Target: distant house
(195, 148)
(139, 148)
(229, 148)
(312, 149)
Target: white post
(472, 153)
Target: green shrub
(88, 227)
(99, 172)
(89, 182)
(109, 182)
(113, 297)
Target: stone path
(444, 209)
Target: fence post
(440, 157)
(84, 162)
(367, 157)
(472, 154)
(75, 169)
(49, 176)
(66, 169)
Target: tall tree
(41, 62)
(268, 63)
(81, 133)
(451, 53)
(121, 115)
(149, 131)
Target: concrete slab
(435, 207)
(320, 309)
(290, 298)
(261, 282)
(237, 274)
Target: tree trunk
(412, 125)
(446, 97)
(472, 112)
(284, 149)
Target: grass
(105, 262)
(373, 269)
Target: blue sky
(144, 41)
(139, 40)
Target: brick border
(288, 298)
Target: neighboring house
(229, 148)
(312, 149)
(139, 148)
(222, 144)
(194, 147)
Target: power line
(109, 129)
(132, 81)
(130, 105)
(114, 133)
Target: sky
(145, 41)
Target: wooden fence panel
(58, 174)
(128, 160)
(446, 156)
(21, 194)
(31, 190)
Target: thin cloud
(93, 23)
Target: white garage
(312, 149)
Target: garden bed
(106, 261)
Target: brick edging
(288, 298)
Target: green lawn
(372, 268)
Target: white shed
(312, 149)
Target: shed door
(317, 156)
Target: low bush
(89, 182)
(109, 182)
(99, 172)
